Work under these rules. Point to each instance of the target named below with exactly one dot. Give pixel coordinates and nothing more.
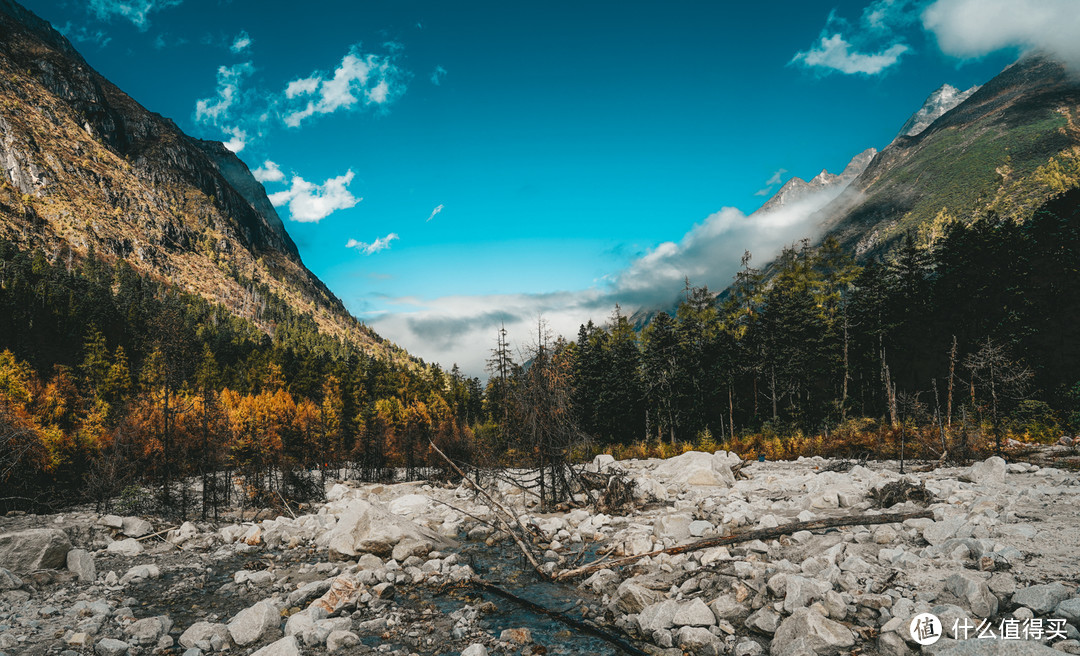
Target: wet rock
(808, 629)
(81, 563)
(991, 471)
(204, 633)
(1042, 598)
(128, 547)
(34, 549)
(694, 613)
(111, 647)
(974, 591)
(284, 647)
(519, 636)
(254, 623)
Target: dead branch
(759, 534)
(496, 508)
(154, 535)
(587, 627)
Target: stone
(727, 608)
(111, 521)
(136, 527)
(995, 648)
(284, 647)
(181, 535)
(253, 623)
(1042, 598)
(974, 591)
(341, 640)
(81, 563)
(697, 469)
(111, 647)
(364, 527)
(632, 598)
(9, 581)
(675, 526)
(34, 549)
(1069, 610)
(748, 647)
(891, 644)
(519, 636)
(204, 632)
(938, 532)
(147, 631)
(140, 572)
(991, 471)
(657, 616)
(475, 649)
(801, 592)
(818, 633)
(699, 640)
(409, 504)
(763, 620)
(694, 613)
(127, 547)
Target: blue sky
(447, 167)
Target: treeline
(978, 333)
(110, 379)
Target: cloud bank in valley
(461, 329)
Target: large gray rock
(204, 632)
(694, 613)
(727, 608)
(111, 647)
(33, 549)
(146, 632)
(80, 562)
(657, 616)
(699, 640)
(136, 527)
(253, 623)
(763, 620)
(284, 647)
(633, 598)
(991, 471)
(127, 547)
(365, 527)
(8, 580)
(809, 629)
(939, 532)
(697, 468)
(1042, 598)
(801, 592)
(1069, 610)
(475, 649)
(974, 590)
(675, 526)
(341, 640)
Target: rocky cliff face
(940, 101)
(797, 189)
(85, 165)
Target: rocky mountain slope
(86, 168)
(937, 103)
(1005, 149)
(797, 189)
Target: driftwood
(586, 627)
(154, 535)
(747, 536)
(496, 508)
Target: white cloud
(889, 15)
(973, 28)
(380, 244)
(435, 211)
(462, 329)
(230, 79)
(776, 177)
(310, 203)
(238, 140)
(268, 172)
(834, 53)
(241, 43)
(360, 80)
(136, 11)
(437, 75)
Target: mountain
(937, 103)
(797, 189)
(87, 168)
(1005, 149)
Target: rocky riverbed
(384, 569)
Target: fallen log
(747, 536)
(580, 625)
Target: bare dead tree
(1004, 378)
